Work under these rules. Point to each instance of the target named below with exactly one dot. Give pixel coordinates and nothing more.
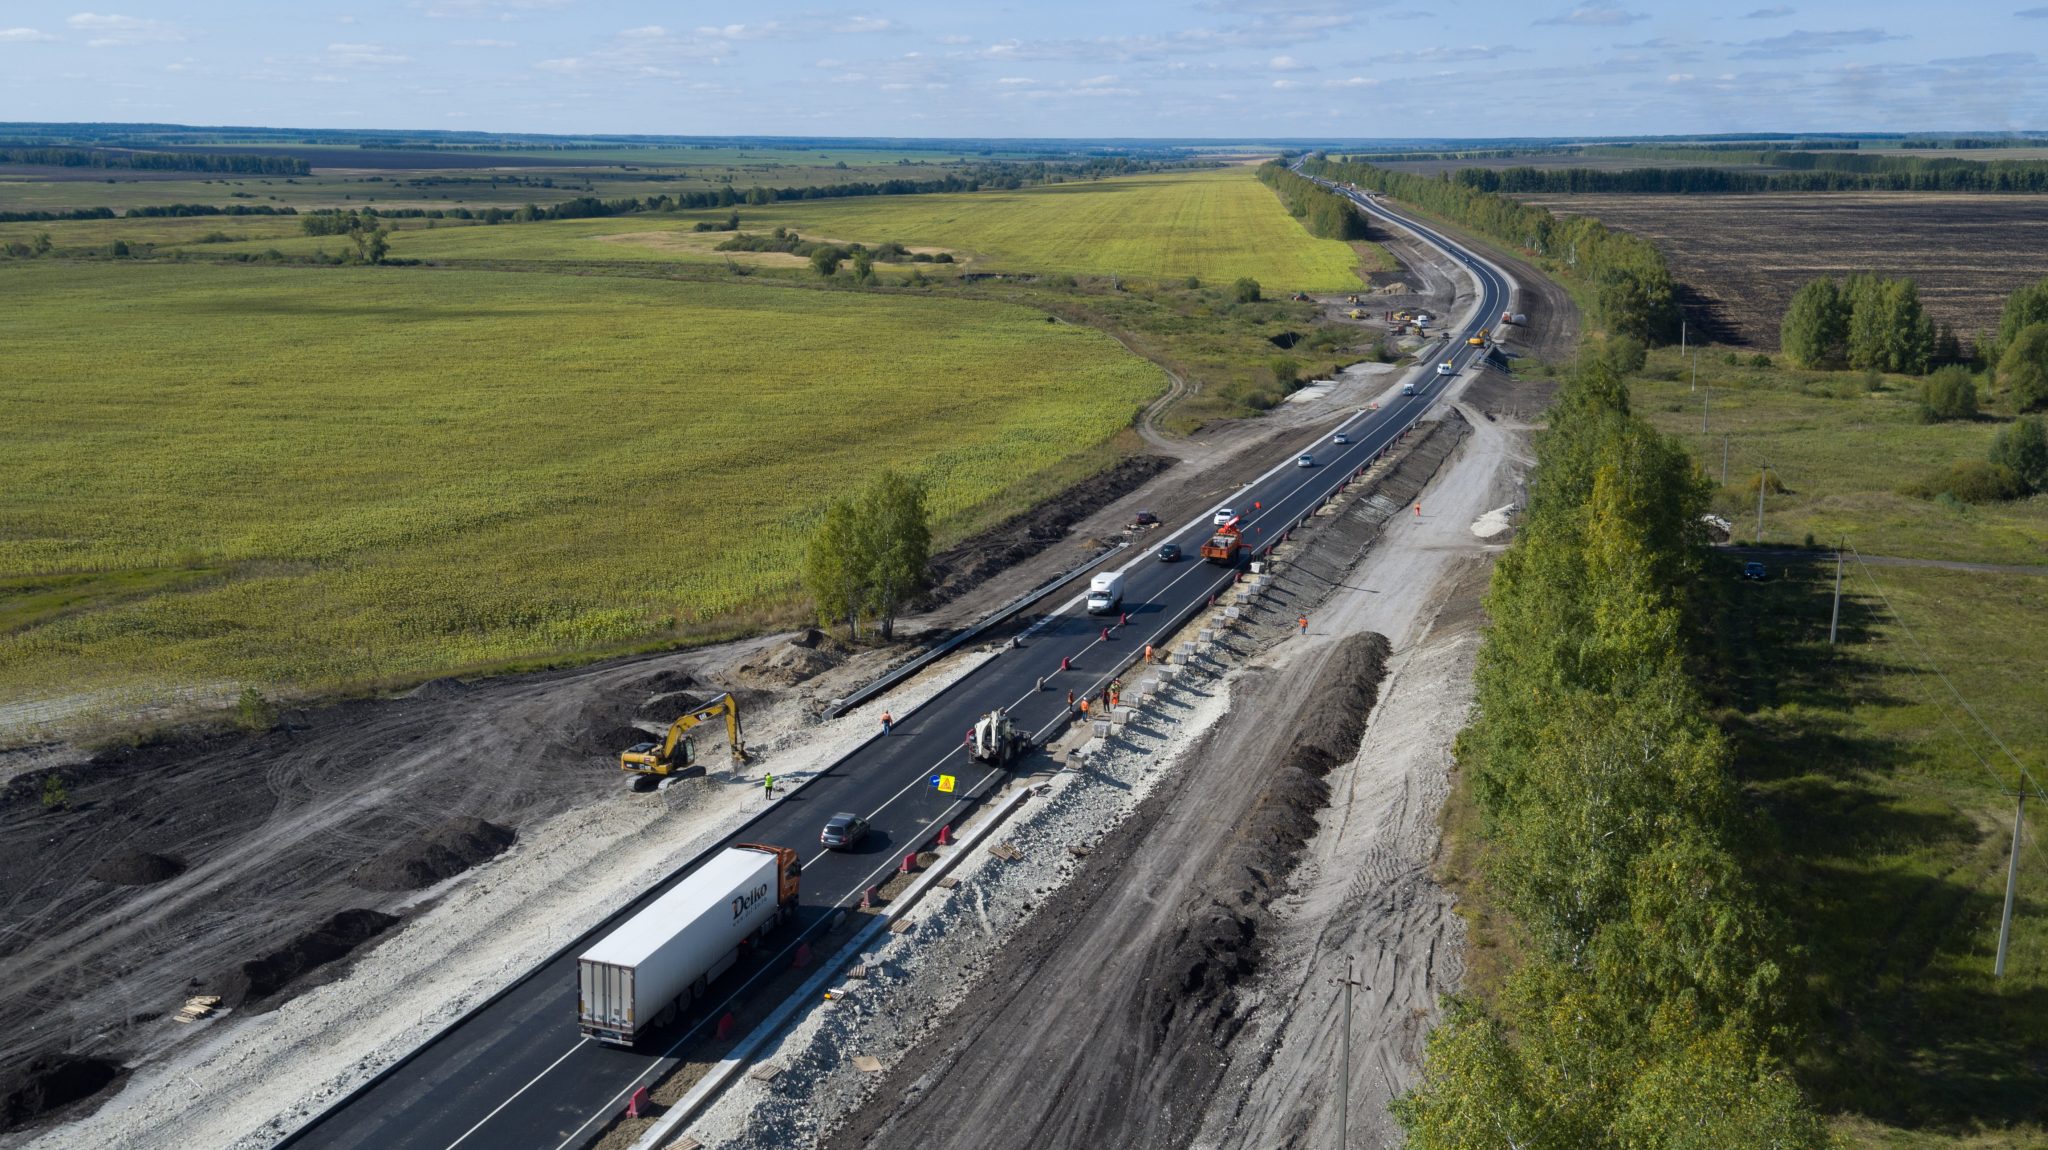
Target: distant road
(517, 1075)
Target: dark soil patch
(1022, 536)
(443, 852)
(49, 1081)
(331, 940)
(1284, 340)
(136, 868)
(809, 654)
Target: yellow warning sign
(945, 784)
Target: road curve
(515, 1074)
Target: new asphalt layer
(516, 1074)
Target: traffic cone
(909, 864)
(725, 1026)
(946, 834)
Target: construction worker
(1418, 510)
(1084, 707)
(768, 786)
(1114, 698)
(1148, 653)
(1070, 697)
(887, 722)
(968, 742)
(1304, 624)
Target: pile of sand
(130, 867)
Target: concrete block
(1101, 728)
(1206, 636)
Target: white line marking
(516, 1093)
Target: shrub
(2023, 367)
(253, 712)
(1624, 354)
(1970, 481)
(825, 261)
(1246, 290)
(1192, 283)
(1772, 485)
(54, 793)
(1286, 372)
(1950, 393)
(1731, 359)
(1759, 360)
(2022, 448)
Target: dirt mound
(319, 946)
(1019, 537)
(439, 689)
(445, 851)
(809, 654)
(48, 1081)
(136, 868)
(1217, 947)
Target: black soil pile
(957, 569)
(331, 940)
(605, 726)
(443, 852)
(810, 654)
(1218, 946)
(136, 868)
(49, 1081)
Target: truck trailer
(653, 965)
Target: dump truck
(1223, 546)
(651, 967)
(675, 757)
(1105, 593)
(996, 740)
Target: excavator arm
(658, 763)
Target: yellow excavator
(675, 757)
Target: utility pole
(1837, 616)
(1761, 478)
(1344, 1082)
(1681, 355)
(1703, 397)
(2012, 879)
(1695, 373)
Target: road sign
(944, 783)
(935, 781)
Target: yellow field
(308, 476)
(1216, 225)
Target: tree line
(1325, 214)
(1650, 1009)
(1631, 288)
(2001, 176)
(18, 152)
(869, 555)
(151, 211)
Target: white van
(1106, 593)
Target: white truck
(653, 965)
(1106, 593)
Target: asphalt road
(517, 1075)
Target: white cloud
(1598, 15)
(1097, 81)
(1013, 80)
(110, 30)
(487, 9)
(897, 87)
(23, 36)
(1775, 12)
(1357, 82)
(487, 43)
(1680, 78)
(364, 55)
(1793, 45)
(806, 28)
(647, 52)
(1285, 64)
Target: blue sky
(1216, 68)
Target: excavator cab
(675, 757)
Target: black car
(844, 831)
(1169, 552)
(1755, 572)
(1145, 519)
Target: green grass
(354, 474)
(1889, 836)
(1215, 225)
(1842, 451)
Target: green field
(1842, 452)
(1215, 225)
(311, 477)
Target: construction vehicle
(675, 757)
(1223, 546)
(997, 741)
(1356, 313)
(1476, 341)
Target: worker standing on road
(1070, 696)
(1084, 708)
(1115, 698)
(768, 786)
(887, 722)
(1304, 624)
(1418, 510)
(1148, 653)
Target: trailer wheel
(667, 1015)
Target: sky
(1219, 69)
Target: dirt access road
(1110, 1020)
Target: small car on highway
(1755, 572)
(1223, 515)
(843, 831)
(1305, 460)
(1169, 552)
(1341, 438)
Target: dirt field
(1740, 258)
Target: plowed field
(1742, 257)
